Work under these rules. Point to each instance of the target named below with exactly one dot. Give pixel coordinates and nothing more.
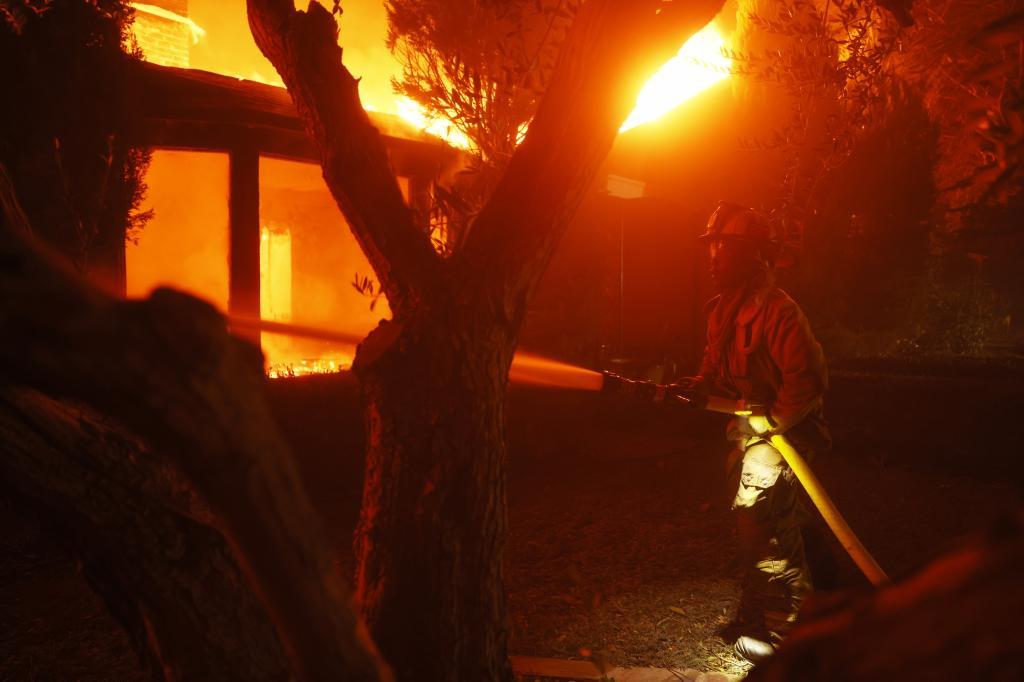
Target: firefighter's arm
(707, 373)
(694, 391)
(801, 364)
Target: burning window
(185, 245)
(308, 260)
(275, 273)
(308, 256)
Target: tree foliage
(483, 66)
(967, 61)
(844, 65)
(830, 63)
(902, 133)
(64, 63)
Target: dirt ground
(621, 541)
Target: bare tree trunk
(143, 538)
(431, 538)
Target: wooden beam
(409, 158)
(244, 237)
(194, 109)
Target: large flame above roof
(699, 64)
(228, 48)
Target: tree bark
(144, 540)
(430, 544)
(431, 539)
(303, 47)
(167, 368)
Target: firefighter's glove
(689, 391)
(613, 383)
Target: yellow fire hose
(847, 538)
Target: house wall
(163, 40)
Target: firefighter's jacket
(761, 348)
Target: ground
(620, 538)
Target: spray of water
(539, 371)
(527, 368)
(251, 324)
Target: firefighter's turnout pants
(769, 516)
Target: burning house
(242, 218)
(241, 215)
(501, 502)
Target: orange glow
(308, 256)
(196, 32)
(308, 259)
(185, 245)
(222, 43)
(284, 355)
(414, 113)
(699, 64)
(276, 274)
(291, 363)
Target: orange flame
(699, 64)
(228, 48)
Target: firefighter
(760, 348)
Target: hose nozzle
(638, 388)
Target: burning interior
(241, 215)
(243, 219)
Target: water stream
(527, 368)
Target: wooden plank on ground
(539, 669)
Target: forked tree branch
(303, 47)
(610, 51)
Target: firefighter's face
(733, 262)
